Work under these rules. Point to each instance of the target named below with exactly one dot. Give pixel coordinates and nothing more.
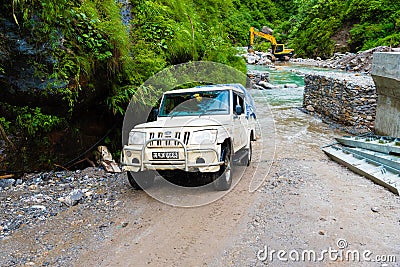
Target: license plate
(165, 155)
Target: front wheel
(141, 180)
(249, 153)
(223, 177)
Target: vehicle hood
(187, 121)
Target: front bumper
(191, 158)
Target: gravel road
(306, 203)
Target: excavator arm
(278, 50)
(269, 37)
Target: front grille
(182, 136)
(186, 138)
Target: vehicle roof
(214, 87)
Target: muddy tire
(223, 178)
(141, 180)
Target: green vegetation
(30, 127)
(96, 56)
(90, 37)
(4, 123)
(378, 23)
(33, 121)
(369, 24)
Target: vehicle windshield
(195, 103)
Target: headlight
(137, 138)
(204, 137)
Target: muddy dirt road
(306, 203)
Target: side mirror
(238, 110)
(153, 115)
(155, 112)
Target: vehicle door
(239, 121)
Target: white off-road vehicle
(203, 129)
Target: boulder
(73, 198)
(264, 61)
(310, 108)
(6, 183)
(251, 59)
(290, 85)
(267, 85)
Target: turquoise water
(282, 105)
(285, 73)
(288, 97)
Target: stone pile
(361, 61)
(352, 62)
(36, 198)
(343, 98)
(257, 76)
(258, 58)
(259, 80)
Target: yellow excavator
(278, 50)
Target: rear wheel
(223, 179)
(141, 180)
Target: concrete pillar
(386, 75)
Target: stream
(285, 73)
(283, 105)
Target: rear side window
(237, 100)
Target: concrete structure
(386, 75)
